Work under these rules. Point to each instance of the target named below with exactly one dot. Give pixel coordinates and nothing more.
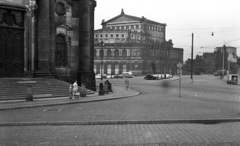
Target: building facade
(47, 38)
(134, 44)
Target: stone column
(86, 44)
(45, 35)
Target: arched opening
(109, 69)
(116, 69)
(124, 68)
(116, 53)
(60, 51)
(124, 53)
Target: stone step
(16, 88)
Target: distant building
(229, 49)
(134, 44)
(209, 58)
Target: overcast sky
(183, 17)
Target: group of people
(74, 89)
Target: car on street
(151, 77)
(110, 76)
(220, 72)
(98, 76)
(118, 76)
(128, 74)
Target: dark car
(220, 72)
(151, 77)
(118, 76)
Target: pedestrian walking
(126, 83)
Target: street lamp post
(192, 59)
(101, 44)
(223, 61)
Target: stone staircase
(16, 88)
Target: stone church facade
(134, 44)
(48, 38)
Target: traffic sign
(179, 65)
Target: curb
(69, 102)
(122, 122)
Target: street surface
(208, 97)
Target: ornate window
(60, 51)
(116, 53)
(124, 53)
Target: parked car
(110, 76)
(151, 77)
(169, 76)
(98, 76)
(128, 74)
(118, 76)
(220, 72)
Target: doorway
(11, 52)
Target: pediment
(122, 19)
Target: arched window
(124, 68)
(109, 69)
(60, 51)
(116, 69)
(124, 53)
(116, 53)
(109, 53)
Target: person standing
(126, 83)
(71, 91)
(75, 89)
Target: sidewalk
(118, 92)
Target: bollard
(101, 91)
(29, 96)
(83, 90)
(106, 86)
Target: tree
(187, 66)
(199, 65)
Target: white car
(98, 76)
(110, 76)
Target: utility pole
(192, 59)
(223, 61)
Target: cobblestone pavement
(224, 134)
